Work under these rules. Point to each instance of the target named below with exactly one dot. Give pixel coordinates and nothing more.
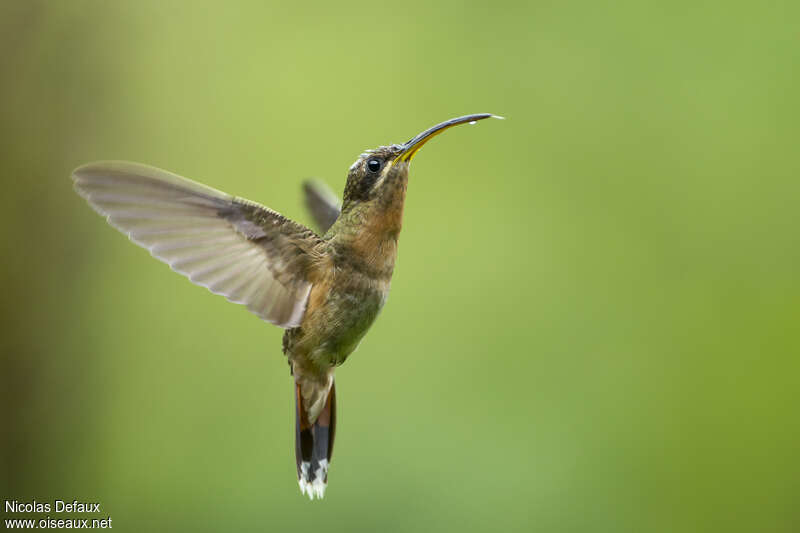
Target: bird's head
(377, 174)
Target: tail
(314, 444)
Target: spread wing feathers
(322, 203)
(244, 251)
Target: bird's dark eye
(373, 165)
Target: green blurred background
(594, 318)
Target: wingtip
(77, 171)
(103, 164)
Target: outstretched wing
(323, 204)
(242, 250)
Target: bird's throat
(367, 235)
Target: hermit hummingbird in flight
(325, 288)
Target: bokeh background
(594, 319)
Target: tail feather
(314, 444)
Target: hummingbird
(324, 288)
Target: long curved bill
(411, 147)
